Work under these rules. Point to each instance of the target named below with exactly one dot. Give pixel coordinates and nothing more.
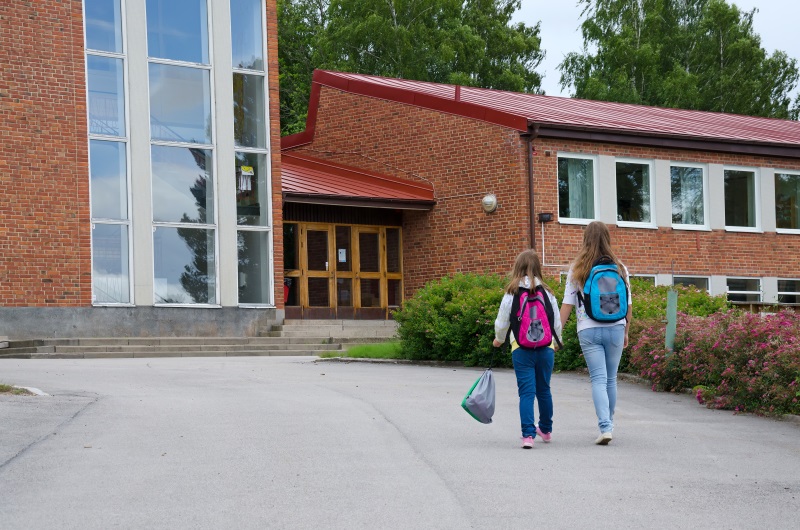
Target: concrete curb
(446, 364)
(32, 390)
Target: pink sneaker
(527, 442)
(546, 436)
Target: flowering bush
(733, 360)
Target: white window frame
(757, 185)
(706, 226)
(790, 293)
(126, 139)
(760, 289)
(595, 198)
(784, 230)
(651, 175)
(706, 278)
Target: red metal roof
(518, 111)
(312, 180)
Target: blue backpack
(605, 293)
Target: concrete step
(168, 341)
(191, 347)
(344, 324)
(3, 342)
(154, 354)
(336, 333)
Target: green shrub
(734, 360)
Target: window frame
(706, 278)
(760, 291)
(789, 293)
(757, 199)
(794, 173)
(706, 226)
(595, 191)
(650, 163)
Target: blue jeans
(602, 349)
(533, 369)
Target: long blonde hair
(526, 264)
(596, 244)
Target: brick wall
(465, 158)
(647, 251)
(275, 148)
(45, 234)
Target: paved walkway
(289, 443)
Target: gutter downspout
(530, 136)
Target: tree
(470, 42)
(692, 54)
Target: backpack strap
(548, 307)
(512, 317)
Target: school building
(145, 189)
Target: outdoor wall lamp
(489, 203)
(545, 217)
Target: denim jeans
(602, 349)
(533, 369)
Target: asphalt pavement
(266, 442)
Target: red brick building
(140, 187)
(710, 198)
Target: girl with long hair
(601, 342)
(533, 367)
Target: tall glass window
(182, 153)
(688, 195)
(575, 188)
(108, 152)
(634, 200)
(252, 178)
(787, 201)
(741, 209)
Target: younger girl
(533, 367)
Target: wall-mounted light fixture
(545, 217)
(489, 203)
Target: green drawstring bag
(479, 401)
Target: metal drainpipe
(530, 136)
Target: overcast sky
(775, 22)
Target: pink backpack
(532, 325)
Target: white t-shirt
(501, 324)
(571, 298)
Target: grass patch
(8, 389)
(379, 350)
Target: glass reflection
(110, 276)
(253, 267)
(687, 195)
(787, 201)
(107, 169)
(103, 25)
(185, 271)
(246, 34)
(740, 202)
(576, 188)
(252, 199)
(106, 95)
(249, 129)
(183, 185)
(180, 104)
(178, 30)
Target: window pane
(395, 292)
(318, 295)
(371, 293)
(252, 194)
(110, 276)
(744, 284)
(249, 129)
(291, 244)
(178, 30)
(740, 198)
(185, 271)
(700, 283)
(106, 96)
(649, 279)
(687, 195)
(368, 251)
(180, 104)
(317, 245)
(744, 297)
(789, 286)
(788, 299)
(344, 292)
(392, 250)
(246, 34)
(109, 176)
(343, 251)
(253, 267)
(183, 185)
(103, 25)
(633, 192)
(576, 188)
(787, 201)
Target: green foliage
(470, 42)
(733, 360)
(452, 319)
(695, 54)
(378, 350)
